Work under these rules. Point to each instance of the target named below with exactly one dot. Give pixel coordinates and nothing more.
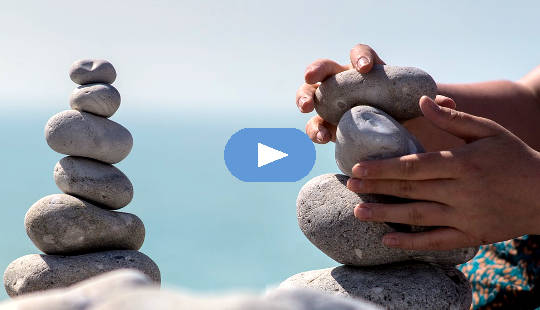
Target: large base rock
(325, 214)
(36, 272)
(411, 285)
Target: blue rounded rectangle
(269, 154)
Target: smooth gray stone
(83, 134)
(88, 71)
(395, 90)
(282, 299)
(83, 295)
(38, 272)
(410, 285)
(92, 180)
(367, 133)
(100, 99)
(63, 224)
(325, 214)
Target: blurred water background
(205, 229)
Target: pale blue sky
(223, 55)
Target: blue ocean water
(206, 230)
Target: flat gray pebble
(325, 214)
(367, 133)
(100, 99)
(38, 272)
(410, 285)
(95, 181)
(83, 134)
(63, 224)
(88, 71)
(395, 90)
(82, 295)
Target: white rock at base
(83, 295)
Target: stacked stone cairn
(79, 231)
(366, 109)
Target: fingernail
(362, 171)
(320, 136)
(302, 101)
(390, 241)
(356, 184)
(434, 106)
(364, 213)
(362, 61)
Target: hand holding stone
(362, 57)
(364, 133)
(483, 192)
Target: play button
(266, 155)
(269, 154)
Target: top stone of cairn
(87, 71)
(394, 90)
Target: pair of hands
(483, 191)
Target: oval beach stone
(38, 272)
(88, 71)
(63, 224)
(410, 285)
(100, 99)
(367, 133)
(395, 90)
(92, 180)
(83, 134)
(325, 214)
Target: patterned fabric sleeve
(505, 275)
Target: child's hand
(482, 192)
(362, 59)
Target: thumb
(363, 58)
(457, 123)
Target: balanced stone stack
(364, 107)
(79, 231)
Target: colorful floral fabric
(506, 275)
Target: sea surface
(206, 230)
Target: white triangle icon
(266, 155)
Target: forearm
(514, 105)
